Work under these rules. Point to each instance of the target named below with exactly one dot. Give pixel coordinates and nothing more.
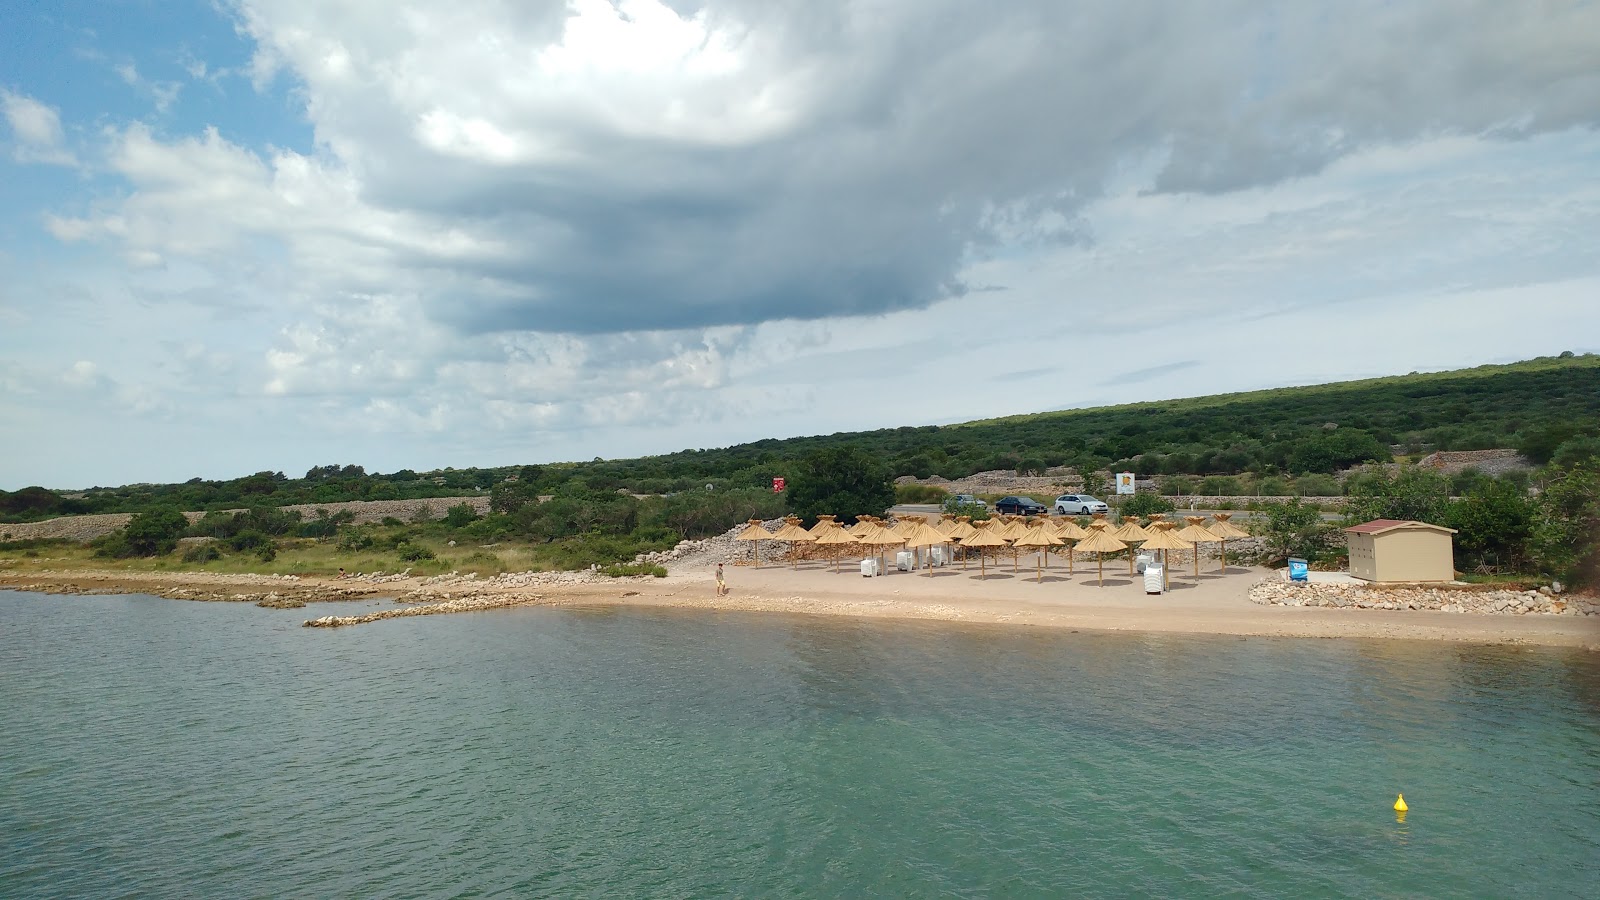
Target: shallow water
(166, 748)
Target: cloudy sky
(239, 235)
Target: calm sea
(162, 748)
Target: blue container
(1298, 570)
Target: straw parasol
(881, 537)
(754, 532)
(863, 526)
(983, 536)
(1070, 530)
(794, 534)
(837, 538)
(1131, 533)
(1225, 531)
(925, 535)
(1196, 534)
(1161, 538)
(1012, 528)
(1038, 536)
(1100, 542)
(963, 529)
(824, 523)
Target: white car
(1080, 505)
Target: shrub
(1317, 486)
(1146, 504)
(152, 533)
(1296, 528)
(414, 552)
(202, 553)
(460, 515)
(391, 522)
(356, 541)
(249, 540)
(919, 493)
(266, 552)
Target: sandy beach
(1213, 604)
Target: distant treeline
(1549, 408)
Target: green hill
(1537, 406)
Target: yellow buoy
(1400, 803)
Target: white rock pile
(1276, 592)
(455, 605)
(709, 551)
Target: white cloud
(36, 130)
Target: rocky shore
(1444, 598)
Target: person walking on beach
(722, 586)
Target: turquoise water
(163, 748)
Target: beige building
(1392, 550)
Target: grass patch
(626, 570)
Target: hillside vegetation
(1547, 407)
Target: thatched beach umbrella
(982, 537)
(1162, 538)
(1100, 543)
(1010, 529)
(1038, 536)
(1196, 534)
(836, 538)
(1225, 531)
(824, 523)
(1070, 530)
(794, 534)
(754, 532)
(925, 535)
(1131, 533)
(881, 537)
(963, 529)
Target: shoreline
(1217, 605)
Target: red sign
(777, 485)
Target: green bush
(202, 553)
(356, 541)
(266, 552)
(460, 515)
(1566, 539)
(1146, 504)
(249, 539)
(152, 533)
(391, 522)
(919, 493)
(1296, 528)
(413, 552)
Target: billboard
(777, 485)
(1125, 483)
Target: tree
(845, 481)
(1566, 538)
(460, 515)
(1146, 504)
(1330, 451)
(509, 496)
(1296, 528)
(1412, 494)
(153, 533)
(1493, 523)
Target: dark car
(1019, 506)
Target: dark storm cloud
(910, 137)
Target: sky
(246, 235)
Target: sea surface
(164, 748)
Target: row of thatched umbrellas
(1015, 533)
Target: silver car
(1080, 505)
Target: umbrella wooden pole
(1101, 557)
(1223, 568)
(1196, 560)
(1040, 576)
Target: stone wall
(1444, 598)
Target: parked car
(1080, 505)
(967, 500)
(1019, 506)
